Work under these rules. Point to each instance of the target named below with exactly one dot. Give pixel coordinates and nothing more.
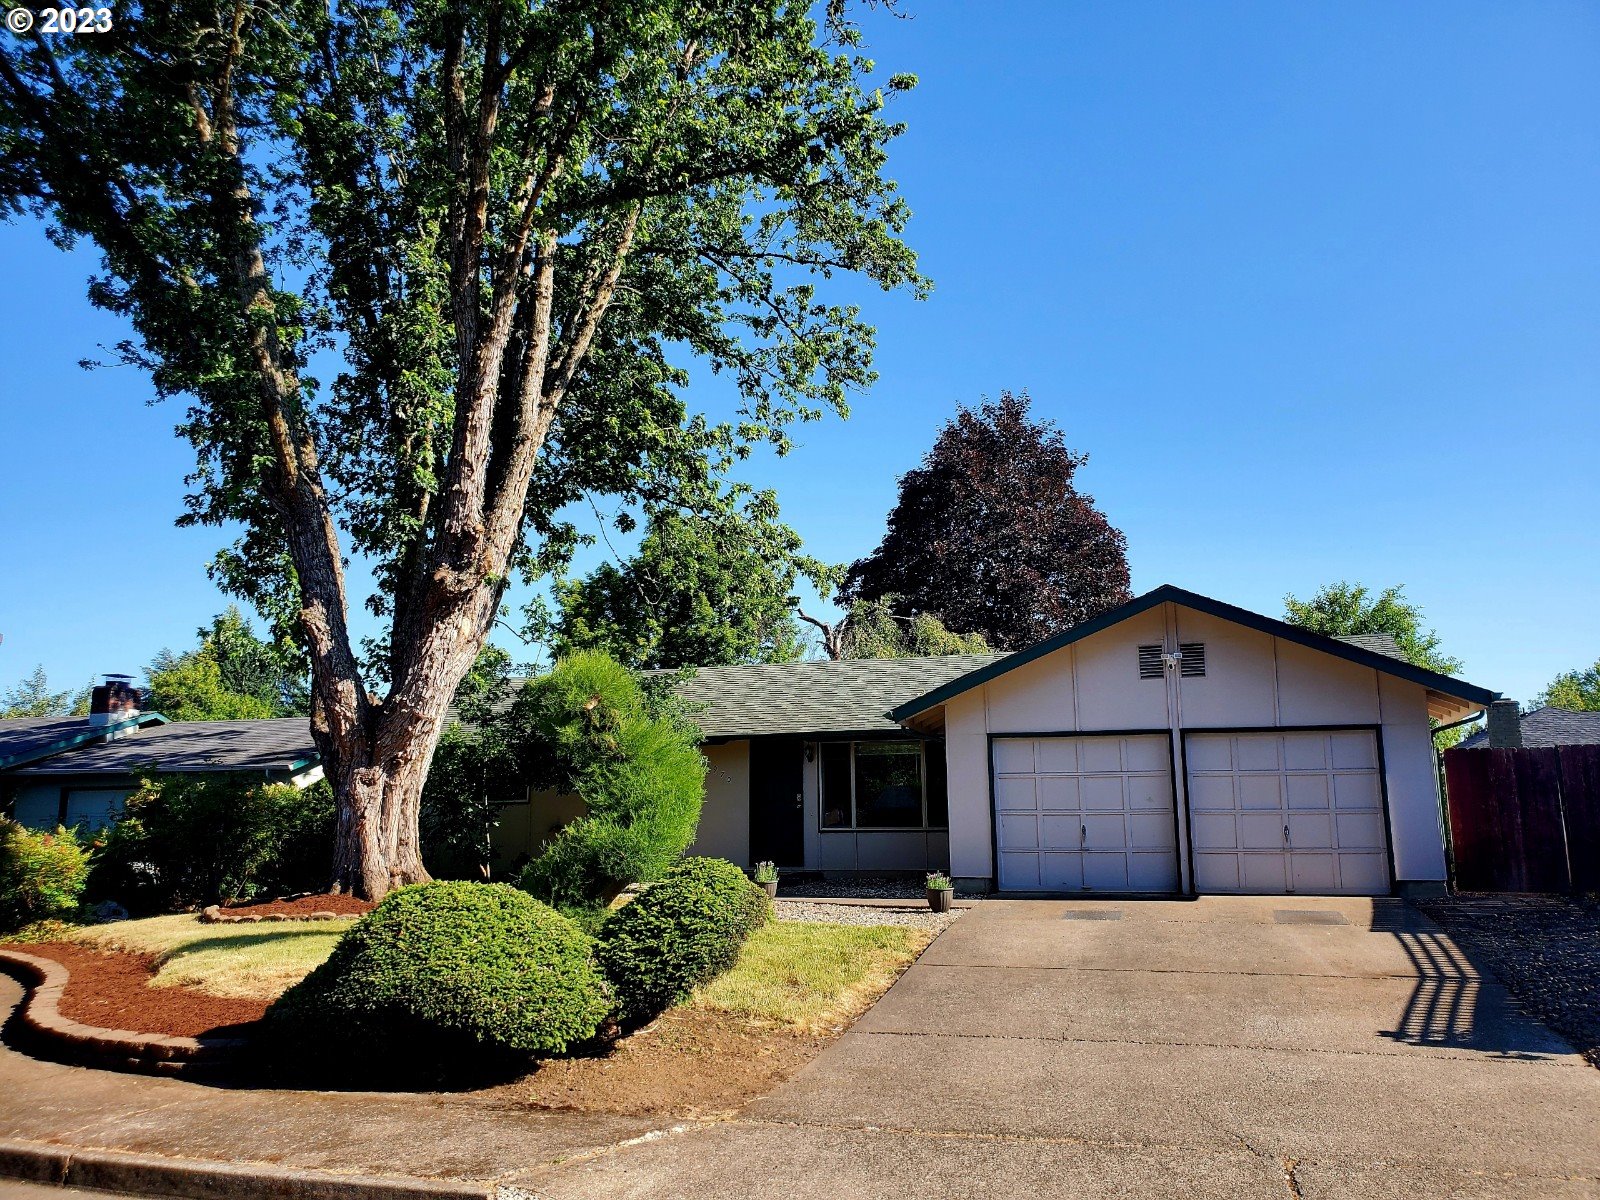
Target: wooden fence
(1525, 820)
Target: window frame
(852, 826)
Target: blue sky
(1317, 286)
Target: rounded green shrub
(41, 873)
(683, 931)
(440, 979)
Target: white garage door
(1085, 814)
(1287, 812)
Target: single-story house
(80, 770)
(1176, 745)
(1546, 727)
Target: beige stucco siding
(725, 817)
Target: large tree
(429, 271)
(1341, 609)
(1578, 689)
(992, 535)
(701, 591)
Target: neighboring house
(1548, 726)
(80, 770)
(1176, 745)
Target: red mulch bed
(112, 990)
(302, 906)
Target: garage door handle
(1286, 835)
(1083, 836)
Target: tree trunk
(375, 845)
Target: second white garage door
(1076, 814)
(1287, 812)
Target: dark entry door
(777, 803)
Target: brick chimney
(114, 700)
(1505, 725)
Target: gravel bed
(918, 917)
(1545, 949)
(867, 887)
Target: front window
(882, 785)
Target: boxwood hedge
(440, 978)
(682, 931)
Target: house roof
(1548, 726)
(1378, 643)
(825, 697)
(28, 739)
(277, 744)
(1442, 689)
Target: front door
(777, 801)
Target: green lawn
(812, 975)
(238, 961)
(803, 975)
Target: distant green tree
(1342, 609)
(873, 629)
(191, 689)
(231, 675)
(32, 697)
(1578, 690)
(700, 592)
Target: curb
(195, 1179)
(89, 1045)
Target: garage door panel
(1310, 831)
(1357, 791)
(1364, 873)
(1354, 750)
(1153, 830)
(1216, 872)
(1018, 831)
(1095, 810)
(1256, 752)
(1313, 872)
(1013, 755)
(1359, 831)
(1061, 872)
(1260, 791)
(1263, 873)
(1209, 754)
(1260, 831)
(1213, 831)
(1102, 793)
(1020, 870)
(1305, 752)
(1105, 831)
(1309, 812)
(1105, 872)
(1062, 830)
(1016, 793)
(1211, 793)
(1056, 754)
(1306, 791)
(1057, 792)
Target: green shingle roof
(822, 697)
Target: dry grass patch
(810, 975)
(241, 962)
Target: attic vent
(1194, 659)
(1150, 662)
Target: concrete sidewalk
(1224, 1047)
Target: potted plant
(940, 890)
(767, 876)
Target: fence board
(1525, 820)
(1580, 796)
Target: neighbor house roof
(1378, 643)
(821, 697)
(29, 739)
(1442, 689)
(1549, 726)
(278, 744)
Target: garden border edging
(40, 1018)
(197, 1179)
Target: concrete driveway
(1231, 1047)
